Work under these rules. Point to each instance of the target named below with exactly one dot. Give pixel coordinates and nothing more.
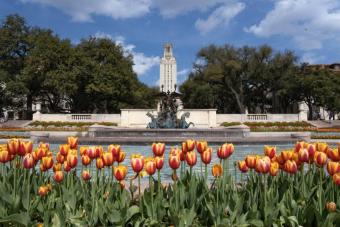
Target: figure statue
(182, 121)
(153, 123)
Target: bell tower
(168, 70)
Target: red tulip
(242, 166)
(45, 146)
(40, 152)
(25, 147)
(93, 152)
(86, 160)
(108, 159)
(201, 146)
(303, 155)
(251, 161)
(28, 161)
(43, 190)
(64, 149)
(58, 176)
(4, 156)
(67, 167)
(299, 145)
(73, 142)
(150, 166)
(13, 146)
(158, 149)
(206, 156)
(321, 147)
(47, 162)
(225, 150)
(120, 172)
(190, 145)
(311, 151)
(184, 147)
(263, 165)
(83, 150)
(320, 158)
(191, 158)
(121, 156)
(114, 149)
(287, 155)
(86, 175)
(174, 161)
(72, 160)
(290, 167)
(159, 162)
(137, 163)
(333, 168)
(269, 151)
(336, 178)
(333, 154)
(274, 168)
(99, 163)
(56, 167)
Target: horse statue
(182, 122)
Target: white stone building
(168, 70)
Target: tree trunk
(28, 112)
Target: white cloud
(83, 10)
(220, 16)
(312, 58)
(309, 23)
(183, 72)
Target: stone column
(303, 111)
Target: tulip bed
(297, 187)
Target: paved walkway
(14, 124)
(324, 124)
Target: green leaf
(133, 210)
(21, 218)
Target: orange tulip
(174, 161)
(67, 167)
(333, 168)
(269, 151)
(83, 150)
(191, 158)
(28, 161)
(150, 166)
(120, 172)
(72, 160)
(201, 146)
(43, 190)
(45, 146)
(4, 156)
(311, 151)
(303, 155)
(85, 175)
(114, 149)
(158, 149)
(217, 170)
(60, 158)
(242, 166)
(333, 154)
(42, 168)
(137, 163)
(56, 167)
(58, 176)
(25, 147)
(47, 162)
(40, 152)
(108, 159)
(331, 206)
(190, 145)
(182, 155)
(290, 167)
(13, 146)
(336, 178)
(64, 149)
(251, 161)
(86, 160)
(99, 163)
(262, 165)
(121, 156)
(159, 162)
(93, 152)
(73, 142)
(320, 158)
(274, 168)
(225, 150)
(321, 147)
(206, 156)
(287, 155)
(184, 147)
(299, 145)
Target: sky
(310, 28)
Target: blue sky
(311, 28)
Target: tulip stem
(139, 186)
(159, 180)
(206, 173)
(151, 193)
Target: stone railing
(114, 118)
(220, 118)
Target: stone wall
(114, 118)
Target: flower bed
(287, 188)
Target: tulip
(274, 168)
(269, 151)
(201, 146)
(174, 161)
(286, 155)
(217, 170)
(56, 167)
(28, 161)
(4, 156)
(73, 142)
(108, 159)
(86, 160)
(60, 158)
(290, 167)
(250, 161)
(114, 149)
(311, 151)
(303, 155)
(158, 149)
(333, 154)
(73, 152)
(121, 156)
(321, 147)
(159, 162)
(225, 150)
(206, 156)
(42, 168)
(43, 190)
(25, 147)
(184, 147)
(320, 158)
(99, 163)
(333, 168)
(263, 165)
(83, 150)
(242, 166)
(72, 160)
(45, 146)
(13, 146)
(93, 152)
(150, 166)
(86, 175)
(336, 178)
(331, 206)
(64, 149)
(190, 144)
(47, 162)
(40, 152)
(191, 158)
(137, 163)
(58, 176)
(120, 172)
(67, 167)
